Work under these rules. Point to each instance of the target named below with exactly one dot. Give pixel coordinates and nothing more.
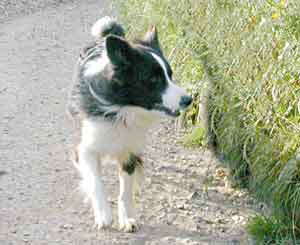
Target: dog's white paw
(103, 221)
(129, 225)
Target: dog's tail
(106, 26)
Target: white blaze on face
(173, 93)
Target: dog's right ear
(151, 38)
(119, 50)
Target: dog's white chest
(128, 134)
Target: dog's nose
(185, 101)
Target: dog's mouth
(168, 111)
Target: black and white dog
(121, 88)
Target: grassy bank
(248, 55)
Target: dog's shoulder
(81, 83)
(90, 51)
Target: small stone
(261, 205)
(181, 206)
(160, 217)
(67, 226)
(220, 173)
(202, 220)
(237, 218)
(221, 221)
(223, 229)
(234, 212)
(171, 218)
(194, 195)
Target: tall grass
(248, 54)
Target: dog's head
(138, 74)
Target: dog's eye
(154, 79)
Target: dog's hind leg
(89, 167)
(126, 204)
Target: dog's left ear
(119, 51)
(151, 38)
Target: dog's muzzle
(184, 103)
(169, 112)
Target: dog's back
(92, 50)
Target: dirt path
(184, 198)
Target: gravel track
(185, 199)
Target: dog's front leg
(89, 167)
(126, 206)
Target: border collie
(121, 89)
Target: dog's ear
(151, 38)
(119, 50)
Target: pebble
(182, 206)
(223, 229)
(171, 218)
(194, 195)
(237, 218)
(160, 217)
(67, 226)
(222, 221)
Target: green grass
(246, 56)
(197, 137)
(267, 230)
